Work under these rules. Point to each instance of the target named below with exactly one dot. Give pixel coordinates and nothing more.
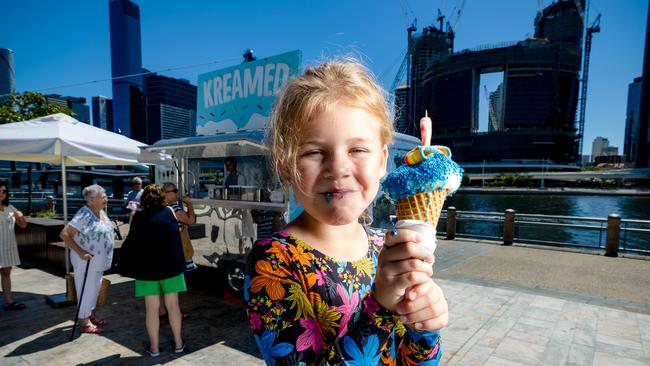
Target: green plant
(45, 213)
(28, 105)
(511, 180)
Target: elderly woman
(91, 239)
(155, 245)
(9, 218)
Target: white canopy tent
(62, 140)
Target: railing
(612, 234)
(116, 207)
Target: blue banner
(239, 98)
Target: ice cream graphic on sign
(420, 186)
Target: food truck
(233, 108)
(228, 219)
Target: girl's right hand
(402, 264)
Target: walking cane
(83, 286)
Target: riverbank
(568, 191)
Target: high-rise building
(103, 112)
(126, 60)
(171, 108)
(425, 49)
(630, 144)
(642, 155)
(402, 119)
(598, 147)
(77, 104)
(7, 75)
(610, 151)
(495, 109)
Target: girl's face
(341, 160)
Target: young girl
(323, 290)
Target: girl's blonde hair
(317, 91)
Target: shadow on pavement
(211, 321)
(49, 340)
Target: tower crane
(398, 78)
(405, 66)
(440, 19)
(456, 13)
(594, 28)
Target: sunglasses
(175, 190)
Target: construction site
(536, 112)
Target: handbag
(102, 297)
(188, 250)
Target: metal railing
(116, 207)
(611, 234)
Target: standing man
(234, 178)
(133, 197)
(137, 188)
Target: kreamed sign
(239, 98)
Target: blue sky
(58, 43)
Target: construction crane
(594, 28)
(398, 78)
(406, 13)
(455, 15)
(404, 66)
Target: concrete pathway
(498, 317)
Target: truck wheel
(235, 276)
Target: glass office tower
(126, 59)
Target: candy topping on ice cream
(427, 168)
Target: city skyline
(78, 47)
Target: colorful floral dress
(306, 308)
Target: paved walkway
(508, 306)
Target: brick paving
(525, 316)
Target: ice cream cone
(422, 206)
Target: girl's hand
(425, 307)
(402, 263)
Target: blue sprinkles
(429, 175)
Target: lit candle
(425, 129)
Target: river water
(628, 207)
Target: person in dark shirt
(234, 178)
(154, 243)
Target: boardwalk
(508, 306)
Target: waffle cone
(422, 206)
